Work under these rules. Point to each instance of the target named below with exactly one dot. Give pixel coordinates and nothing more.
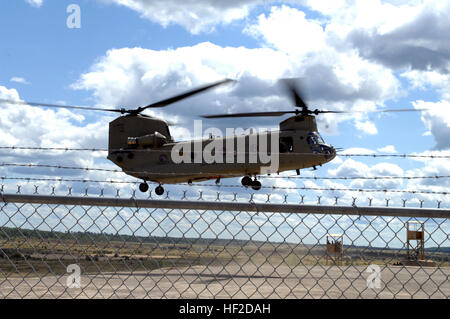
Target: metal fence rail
(102, 247)
(227, 206)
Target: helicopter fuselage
(143, 148)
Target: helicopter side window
(286, 144)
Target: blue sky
(347, 54)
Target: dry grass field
(32, 256)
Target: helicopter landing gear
(256, 185)
(159, 190)
(143, 187)
(246, 181)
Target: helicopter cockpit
(318, 145)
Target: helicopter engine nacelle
(154, 140)
(132, 131)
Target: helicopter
(142, 146)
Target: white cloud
(386, 169)
(194, 15)
(352, 168)
(19, 80)
(35, 3)
(425, 80)
(430, 168)
(23, 125)
(387, 149)
(288, 30)
(417, 40)
(367, 127)
(357, 150)
(437, 121)
(336, 161)
(420, 79)
(383, 16)
(32, 126)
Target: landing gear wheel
(256, 185)
(246, 181)
(143, 187)
(159, 190)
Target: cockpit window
(168, 134)
(314, 138)
(319, 138)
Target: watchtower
(415, 235)
(335, 248)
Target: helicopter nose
(329, 152)
(333, 153)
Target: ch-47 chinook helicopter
(142, 146)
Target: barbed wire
(305, 188)
(61, 167)
(30, 165)
(395, 155)
(358, 177)
(66, 149)
(60, 179)
(52, 148)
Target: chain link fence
(105, 246)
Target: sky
(350, 55)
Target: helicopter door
(286, 144)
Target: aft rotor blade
(316, 112)
(377, 111)
(291, 87)
(279, 113)
(322, 112)
(183, 96)
(399, 110)
(59, 106)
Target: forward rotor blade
(279, 113)
(183, 96)
(59, 106)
